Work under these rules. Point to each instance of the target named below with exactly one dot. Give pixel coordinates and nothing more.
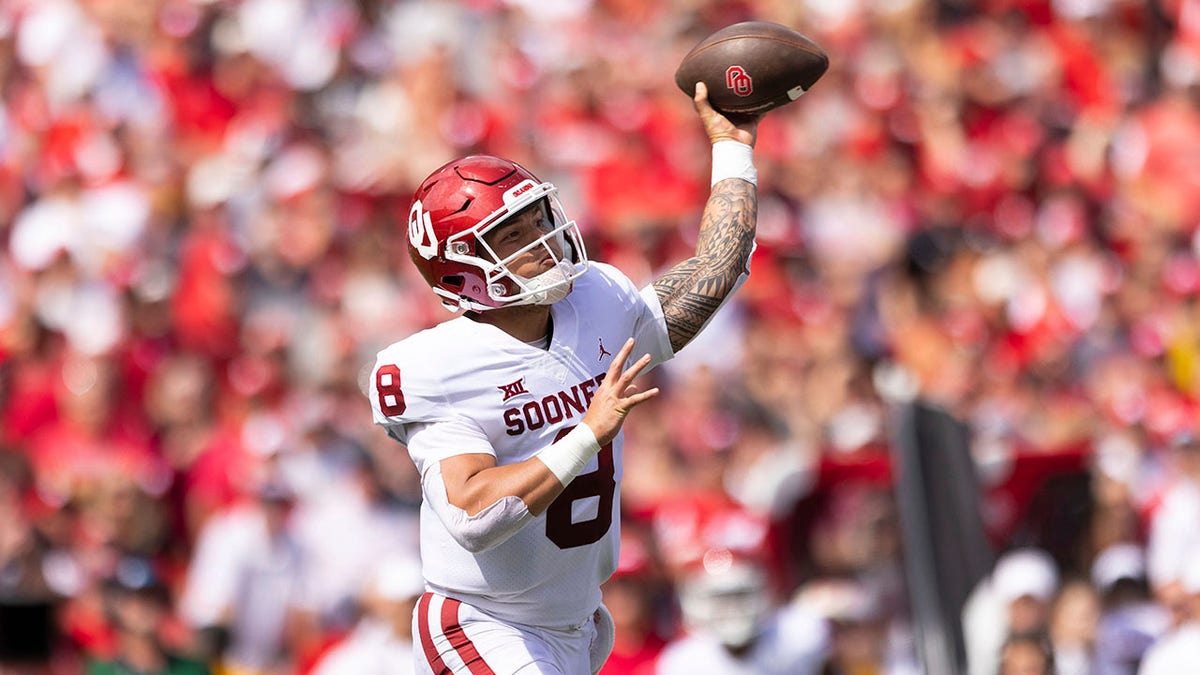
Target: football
(752, 67)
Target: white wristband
(731, 159)
(567, 456)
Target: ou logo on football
(739, 81)
(420, 231)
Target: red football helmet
(465, 199)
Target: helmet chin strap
(550, 286)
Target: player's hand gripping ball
(752, 67)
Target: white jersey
(468, 387)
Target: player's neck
(526, 323)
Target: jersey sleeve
(409, 401)
(431, 442)
(649, 323)
(403, 391)
(650, 329)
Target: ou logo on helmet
(420, 231)
(737, 79)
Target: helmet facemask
(560, 239)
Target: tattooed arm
(691, 291)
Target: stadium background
(201, 204)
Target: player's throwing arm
(692, 291)
(735, 75)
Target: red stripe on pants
(431, 652)
(459, 640)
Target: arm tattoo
(692, 291)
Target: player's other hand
(617, 395)
(719, 127)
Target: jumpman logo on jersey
(603, 351)
(514, 389)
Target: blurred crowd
(991, 205)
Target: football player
(512, 411)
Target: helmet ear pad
(466, 283)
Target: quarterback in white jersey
(512, 412)
(510, 401)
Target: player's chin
(550, 294)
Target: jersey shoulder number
(404, 388)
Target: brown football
(752, 67)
